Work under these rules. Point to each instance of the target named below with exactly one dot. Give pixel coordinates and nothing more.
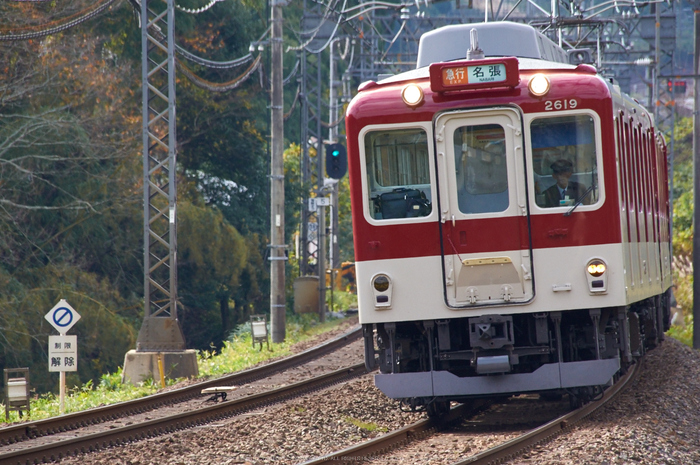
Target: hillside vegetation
(71, 182)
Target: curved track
(395, 439)
(25, 431)
(549, 431)
(499, 454)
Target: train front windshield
(564, 161)
(398, 172)
(481, 169)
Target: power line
(219, 87)
(213, 64)
(6, 34)
(198, 10)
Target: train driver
(564, 191)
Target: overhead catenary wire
(403, 25)
(219, 87)
(198, 10)
(332, 36)
(54, 27)
(294, 103)
(292, 73)
(197, 59)
(327, 125)
(265, 81)
(304, 46)
(214, 64)
(360, 13)
(312, 32)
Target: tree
(683, 188)
(71, 219)
(69, 199)
(212, 256)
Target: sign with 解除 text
(63, 353)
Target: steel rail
(505, 451)
(169, 424)
(547, 432)
(27, 430)
(405, 435)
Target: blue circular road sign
(63, 317)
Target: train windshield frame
(565, 158)
(398, 173)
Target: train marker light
(539, 85)
(382, 287)
(381, 283)
(597, 279)
(412, 95)
(596, 268)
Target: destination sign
(474, 74)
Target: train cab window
(564, 161)
(398, 173)
(481, 169)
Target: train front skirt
(547, 377)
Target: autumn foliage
(71, 194)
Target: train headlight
(412, 95)
(382, 287)
(538, 85)
(381, 283)
(596, 272)
(596, 269)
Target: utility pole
(333, 137)
(321, 253)
(696, 181)
(277, 246)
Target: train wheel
(575, 400)
(437, 408)
(551, 396)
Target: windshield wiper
(579, 201)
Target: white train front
(510, 219)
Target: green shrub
(237, 354)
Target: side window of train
(398, 173)
(564, 161)
(481, 169)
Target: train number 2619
(569, 104)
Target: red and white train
(510, 218)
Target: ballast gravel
(655, 422)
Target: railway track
(390, 441)
(516, 446)
(495, 455)
(119, 435)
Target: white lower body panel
(547, 377)
(418, 289)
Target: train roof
(501, 38)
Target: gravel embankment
(654, 423)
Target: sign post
(63, 350)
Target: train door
(486, 247)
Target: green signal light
(336, 161)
